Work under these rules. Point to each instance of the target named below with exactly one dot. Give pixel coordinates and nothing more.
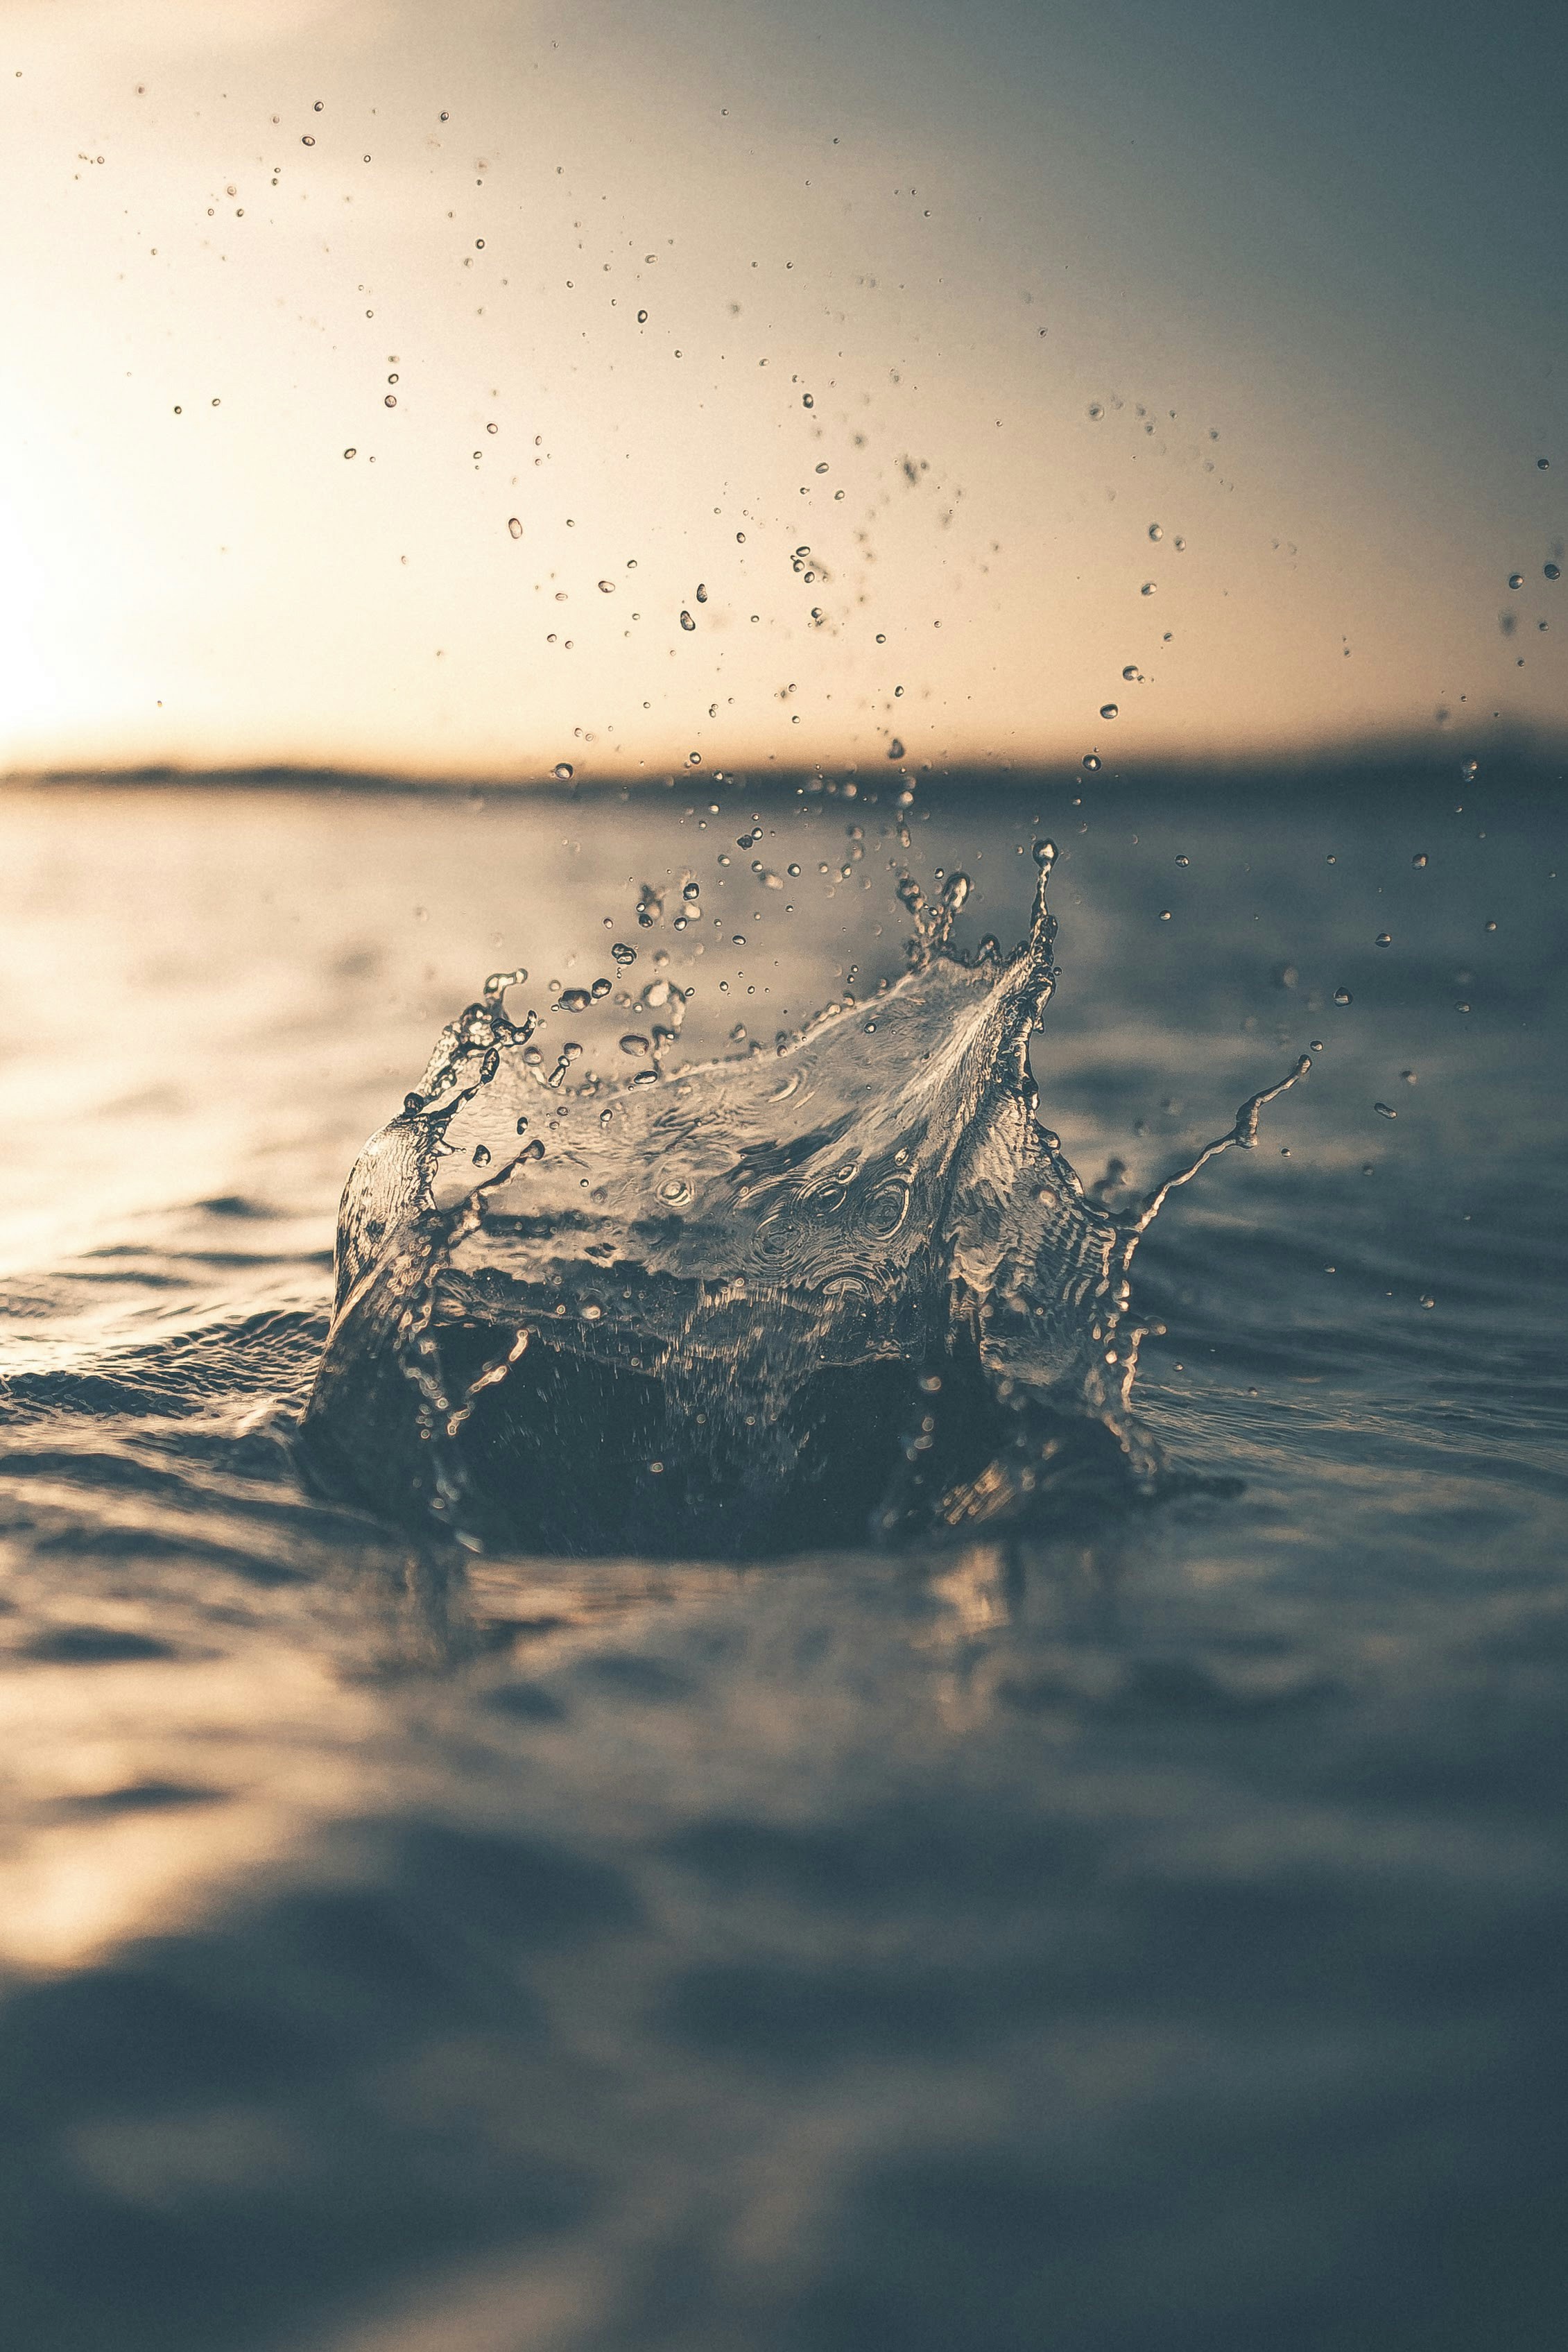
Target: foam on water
(746, 1306)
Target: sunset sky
(1190, 356)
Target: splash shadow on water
(746, 1307)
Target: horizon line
(1518, 747)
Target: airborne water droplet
(607, 587)
(1155, 531)
(1516, 579)
(563, 771)
(1419, 859)
(1090, 760)
(1342, 996)
(1384, 939)
(515, 527)
(1108, 710)
(1385, 1111)
(686, 621)
(1148, 588)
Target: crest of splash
(762, 1304)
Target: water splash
(753, 1306)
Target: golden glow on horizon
(227, 288)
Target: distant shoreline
(1383, 770)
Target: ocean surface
(1125, 1917)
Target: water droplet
(563, 771)
(1090, 760)
(1045, 856)
(1468, 771)
(1130, 672)
(1384, 939)
(319, 104)
(1148, 588)
(1553, 570)
(686, 621)
(1096, 411)
(481, 1155)
(1108, 710)
(1165, 914)
(515, 526)
(807, 401)
(896, 750)
(1155, 531)
(1516, 579)
(607, 587)
(623, 954)
(1184, 861)
(307, 140)
(575, 1000)
(390, 401)
(633, 1044)
(1419, 859)
(1385, 1111)
(1541, 463)
(351, 453)
(1489, 927)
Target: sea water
(1093, 1877)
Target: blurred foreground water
(1148, 1935)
